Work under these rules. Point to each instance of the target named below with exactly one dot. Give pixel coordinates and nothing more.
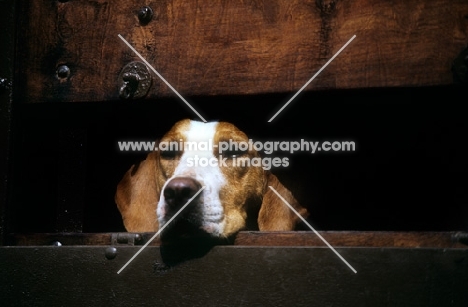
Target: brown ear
(137, 196)
(274, 214)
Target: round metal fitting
(111, 252)
(134, 81)
(145, 15)
(63, 72)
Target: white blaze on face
(199, 162)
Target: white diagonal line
(311, 79)
(161, 229)
(161, 77)
(312, 228)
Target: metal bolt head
(138, 238)
(461, 237)
(111, 252)
(63, 72)
(145, 15)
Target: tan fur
(274, 214)
(138, 194)
(247, 190)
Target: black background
(409, 170)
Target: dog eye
(234, 153)
(169, 154)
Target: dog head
(226, 192)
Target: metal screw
(145, 14)
(111, 253)
(138, 238)
(63, 72)
(461, 237)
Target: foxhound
(234, 196)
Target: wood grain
(236, 47)
(351, 238)
(256, 238)
(266, 276)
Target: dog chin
(182, 241)
(183, 231)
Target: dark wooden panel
(50, 239)
(233, 276)
(354, 238)
(257, 238)
(237, 47)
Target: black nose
(179, 190)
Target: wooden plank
(234, 276)
(236, 47)
(256, 238)
(54, 239)
(351, 238)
